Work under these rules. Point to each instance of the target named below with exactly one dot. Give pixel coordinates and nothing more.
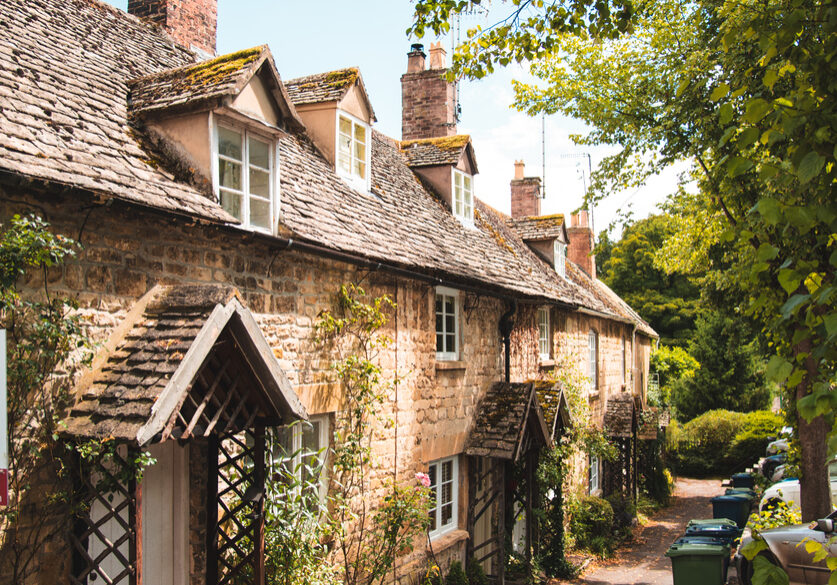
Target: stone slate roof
(329, 86)
(503, 417)
(122, 392)
(427, 152)
(608, 301)
(619, 415)
(542, 227)
(64, 73)
(64, 68)
(202, 83)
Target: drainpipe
(506, 326)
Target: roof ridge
(261, 49)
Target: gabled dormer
(546, 235)
(447, 165)
(221, 119)
(338, 115)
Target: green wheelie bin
(699, 561)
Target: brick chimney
(428, 101)
(525, 193)
(580, 249)
(191, 23)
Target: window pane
(259, 153)
(346, 127)
(432, 473)
(467, 182)
(344, 154)
(451, 342)
(360, 168)
(447, 514)
(360, 133)
(231, 202)
(450, 324)
(440, 323)
(438, 305)
(229, 174)
(229, 143)
(449, 305)
(447, 473)
(260, 183)
(259, 213)
(440, 342)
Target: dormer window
(245, 176)
(353, 150)
(560, 255)
(463, 196)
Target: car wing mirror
(825, 525)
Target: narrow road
(643, 561)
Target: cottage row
(220, 209)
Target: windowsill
(546, 363)
(450, 364)
(446, 540)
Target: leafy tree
(672, 364)
(728, 377)
(745, 91)
(668, 301)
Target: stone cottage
(220, 208)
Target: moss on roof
(214, 70)
(551, 220)
(445, 143)
(342, 77)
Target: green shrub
(624, 511)
(721, 442)
(591, 523)
(456, 576)
(476, 576)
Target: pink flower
(423, 478)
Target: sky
(313, 37)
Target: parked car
(777, 446)
(769, 464)
(784, 549)
(788, 491)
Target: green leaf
(725, 114)
(831, 324)
(752, 548)
(769, 209)
(755, 110)
(719, 92)
(832, 580)
(794, 303)
(747, 137)
(810, 166)
(738, 166)
(778, 369)
(767, 252)
(789, 279)
(766, 573)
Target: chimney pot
(415, 58)
(518, 169)
(437, 56)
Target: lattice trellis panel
(236, 542)
(104, 540)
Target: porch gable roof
(141, 378)
(504, 416)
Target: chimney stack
(580, 249)
(191, 23)
(525, 193)
(428, 100)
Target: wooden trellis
(104, 539)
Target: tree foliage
(729, 374)
(672, 364)
(669, 301)
(526, 30)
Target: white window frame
(447, 292)
(273, 171)
(467, 215)
(595, 480)
(593, 359)
(324, 439)
(559, 253)
(544, 333)
(437, 493)
(354, 180)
